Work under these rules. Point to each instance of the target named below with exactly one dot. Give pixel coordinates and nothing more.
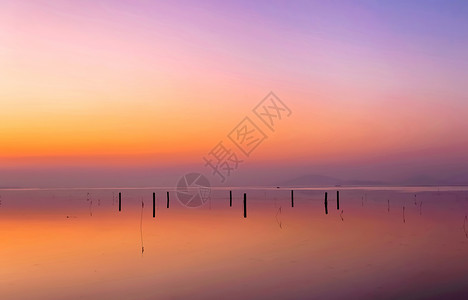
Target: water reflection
(141, 227)
(404, 219)
(212, 254)
(277, 216)
(464, 226)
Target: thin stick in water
(141, 227)
(277, 219)
(326, 203)
(464, 226)
(404, 220)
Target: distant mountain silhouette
(459, 179)
(320, 180)
(416, 180)
(423, 179)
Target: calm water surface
(383, 243)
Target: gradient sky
(377, 89)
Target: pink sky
(375, 90)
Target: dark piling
(326, 203)
(245, 205)
(154, 205)
(338, 200)
(292, 198)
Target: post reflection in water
(62, 246)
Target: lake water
(382, 243)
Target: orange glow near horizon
(95, 84)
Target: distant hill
(320, 180)
(311, 180)
(421, 180)
(459, 179)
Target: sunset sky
(88, 89)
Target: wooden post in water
(245, 205)
(120, 201)
(326, 203)
(154, 205)
(230, 198)
(338, 200)
(167, 199)
(292, 198)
